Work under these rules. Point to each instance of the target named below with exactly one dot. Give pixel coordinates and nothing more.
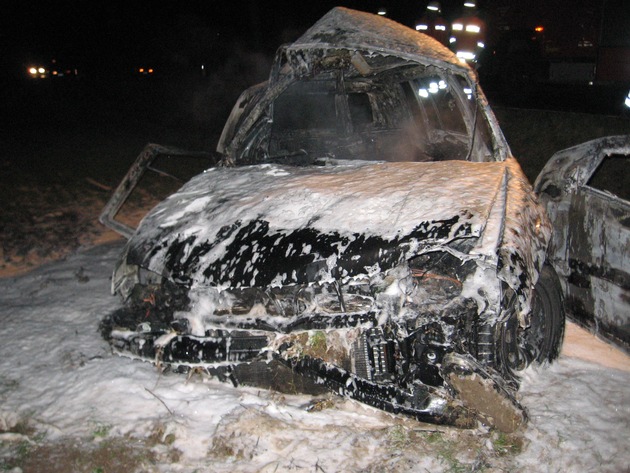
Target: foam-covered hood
(275, 225)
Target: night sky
(109, 41)
(112, 34)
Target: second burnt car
(587, 194)
(366, 230)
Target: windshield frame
(473, 106)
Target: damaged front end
(339, 336)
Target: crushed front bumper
(311, 363)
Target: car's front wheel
(539, 342)
(543, 338)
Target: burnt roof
(351, 29)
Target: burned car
(366, 230)
(586, 192)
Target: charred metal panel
(598, 290)
(591, 242)
(359, 30)
(258, 256)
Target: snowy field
(60, 385)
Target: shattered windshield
(410, 113)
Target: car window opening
(612, 176)
(412, 114)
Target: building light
(440, 27)
(481, 44)
(458, 27)
(539, 29)
(422, 27)
(452, 39)
(470, 4)
(472, 28)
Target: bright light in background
(470, 4)
(42, 72)
(382, 11)
(468, 92)
(422, 27)
(472, 28)
(627, 102)
(440, 27)
(539, 29)
(37, 72)
(466, 55)
(458, 27)
(434, 88)
(452, 39)
(480, 44)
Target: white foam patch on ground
(59, 374)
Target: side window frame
(599, 173)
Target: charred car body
(587, 194)
(366, 229)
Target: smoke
(214, 92)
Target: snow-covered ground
(58, 375)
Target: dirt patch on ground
(579, 343)
(49, 223)
(41, 223)
(101, 454)
(46, 223)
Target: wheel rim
(537, 337)
(512, 354)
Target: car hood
(273, 225)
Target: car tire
(516, 347)
(543, 337)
